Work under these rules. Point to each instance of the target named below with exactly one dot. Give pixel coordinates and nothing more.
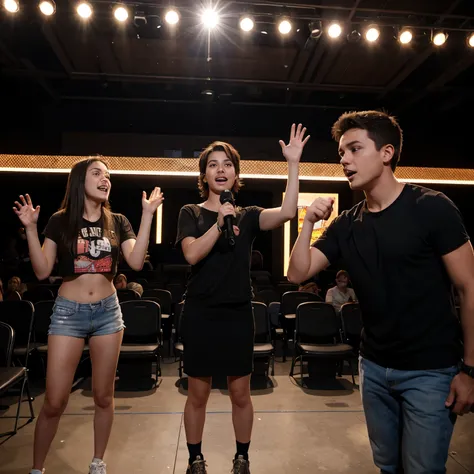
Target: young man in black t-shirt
(404, 246)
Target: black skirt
(218, 340)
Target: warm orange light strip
(180, 167)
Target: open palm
(153, 202)
(293, 151)
(27, 214)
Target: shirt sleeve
(126, 230)
(253, 213)
(328, 243)
(52, 230)
(187, 225)
(447, 230)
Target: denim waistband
(78, 306)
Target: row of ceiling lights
(210, 19)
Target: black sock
(242, 450)
(194, 452)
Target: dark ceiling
(61, 73)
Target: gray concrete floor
(304, 430)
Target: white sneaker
(98, 468)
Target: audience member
(120, 282)
(341, 293)
(133, 285)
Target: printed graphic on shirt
(94, 252)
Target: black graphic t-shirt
(97, 249)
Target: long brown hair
(72, 207)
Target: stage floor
(296, 430)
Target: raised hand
(320, 209)
(293, 151)
(27, 214)
(156, 198)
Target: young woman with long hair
(86, 238)
(217, 321)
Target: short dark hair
(233, 156)
(381, 127)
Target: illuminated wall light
(405, 36)
(84, 10)
(11, 6)
(47, 7)
(470, 41)
(246, 23)
(334, 30)
(159, 224)
(120, 13)
(440, 38)
(284, 27)
(372, 34)
(210, 18)
(172, 17)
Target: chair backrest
(292, 299)
(164, 297)
(40, 293)
(20, 316)
(262, 322)
(283, 288)
(43, 312)
(7, 341)
(177, 291)
(142, 321)
(267, 296)
(274, 313)
(317, 322)
(351, 318)
(127, 295)
(12, 296)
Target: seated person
(133, 285)
(120, 282)
(341, 293)
(309, 287)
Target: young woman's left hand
(151, 205)
(293, 151)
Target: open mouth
(103, 188)
(349, 173)
(221, 180)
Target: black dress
(217, 327)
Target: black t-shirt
(223, 276)
(97, 249)
(394, 261)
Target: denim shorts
(71, 318)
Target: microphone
(226, 196)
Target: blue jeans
(409, 426)
(82, 320)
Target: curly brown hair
(233, 156)
(381, 127)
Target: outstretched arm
(134, 251)
(275, 217)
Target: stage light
(11, 6)
(120, 13)
(84, 10)
(405, 36)
(334, 30)
(246, 23)
(210, 18)
(315, 29)
(439, 38)
(172, 17)
(470, 41)
(284, 27)
(372, 34)
(47, 7)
